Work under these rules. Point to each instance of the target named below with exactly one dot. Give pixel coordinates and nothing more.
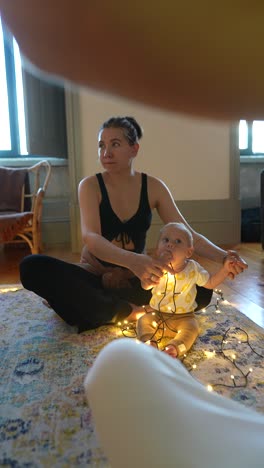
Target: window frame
(44, 111)
(248, 152)
(12, 95)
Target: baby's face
(174, 245)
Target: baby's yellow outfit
(173, 299)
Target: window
(12, 115)
(32, 111)
(251, 137)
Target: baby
(171, 311)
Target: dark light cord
(129, 330)
(233, 360)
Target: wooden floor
(246, 292)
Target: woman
(116, 208)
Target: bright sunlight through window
(258, 136)
(243, 135)
(20, 100)
(5, 121)
(251, 137)
(5, 135)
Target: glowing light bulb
(204, 310)
(209, 388)
(153, 313)
(250, 369)
(119, 324)
(233, 356)
(232, 376)
(5, 290)
(147, 342)
(125, 322)
(194, 366)
(154, 324)
(209, 354)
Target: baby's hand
(166, 256)
(171, 350)
(229, 263)
(234, 264)
(229, 267)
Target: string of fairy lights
(241, 379)
(231, 339)
(225, 349)
(160, 323)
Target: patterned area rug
(44, 418)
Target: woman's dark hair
(132, 130)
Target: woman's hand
(149, 270)
(116, 278)
(234, 263)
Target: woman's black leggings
(77, 295)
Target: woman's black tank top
(130, 234)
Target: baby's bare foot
(171, 351)
(136, 313)
(152, 343)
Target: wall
(191, 156)
(173, 147)
(56, 218)
(250, 170)
(250, 183)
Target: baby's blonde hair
(182, 227)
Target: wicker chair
(21, 201)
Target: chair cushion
(13, 223)
(11, 183)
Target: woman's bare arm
(219, 276)
(169, 212)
